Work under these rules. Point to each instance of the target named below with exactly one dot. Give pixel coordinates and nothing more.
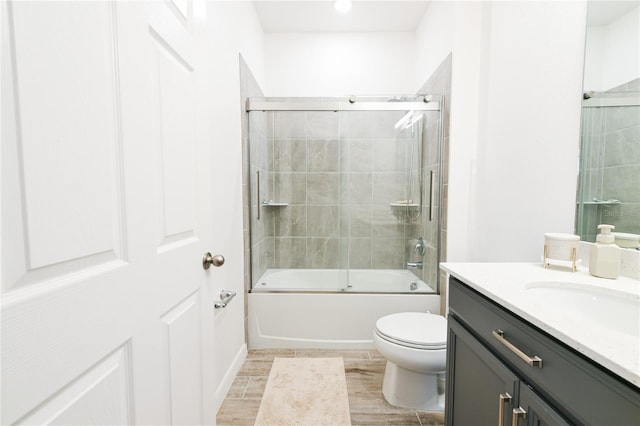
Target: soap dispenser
(604, 256)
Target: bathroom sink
(606, 307)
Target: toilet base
(409, 389)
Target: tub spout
(414, 265)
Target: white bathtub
(297, 312)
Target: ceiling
(320, 16)
(382, 15)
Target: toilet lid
(415, 329)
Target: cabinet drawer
(582, 390)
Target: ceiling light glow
(342, 6)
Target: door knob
(208, 260)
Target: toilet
(415, 346)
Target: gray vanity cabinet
(486, 391)
(490, 379)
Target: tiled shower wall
(338, 172)
(610, 166)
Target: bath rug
(305, 391)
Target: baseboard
(231, 374)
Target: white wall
(339, 64)
(613, 52)
(515, 121)
(528, 139)
(464, 122)
(593, 59)
(234, 28)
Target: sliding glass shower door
(338, 187)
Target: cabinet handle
(533, 361)
(504, 397)
(517, 414)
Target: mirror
(609, 166)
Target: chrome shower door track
(265, 105)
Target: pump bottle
(604, 256)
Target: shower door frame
(261, 104)
(429, 103)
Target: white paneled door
(107, 312)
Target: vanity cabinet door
(480, 389)
(534, 411)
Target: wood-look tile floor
(364, 370)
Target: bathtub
(307, 308)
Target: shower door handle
(258, 194)
(431, 194)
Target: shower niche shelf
(405, 211)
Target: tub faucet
(414, 265)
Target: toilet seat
(417, 330)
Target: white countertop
(505, 283)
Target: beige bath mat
(305, 391)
